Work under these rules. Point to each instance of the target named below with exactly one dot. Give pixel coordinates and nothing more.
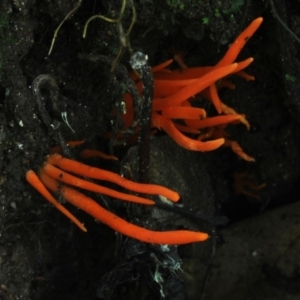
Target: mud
(42, 255)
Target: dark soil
(43, 255)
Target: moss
(217, 13)
(205, 20)
(235, 7)
(290, 77)
(169, 14)
(176, 5)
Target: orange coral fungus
(34, 180)
(174, 92)
(86, 153)
(53, 178)
(243, 185)
(95, 173)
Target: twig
(139, 63)
(282, 23)
(62, 22)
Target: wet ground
(44, 256)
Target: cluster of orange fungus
(61, 175)
(174, 98)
